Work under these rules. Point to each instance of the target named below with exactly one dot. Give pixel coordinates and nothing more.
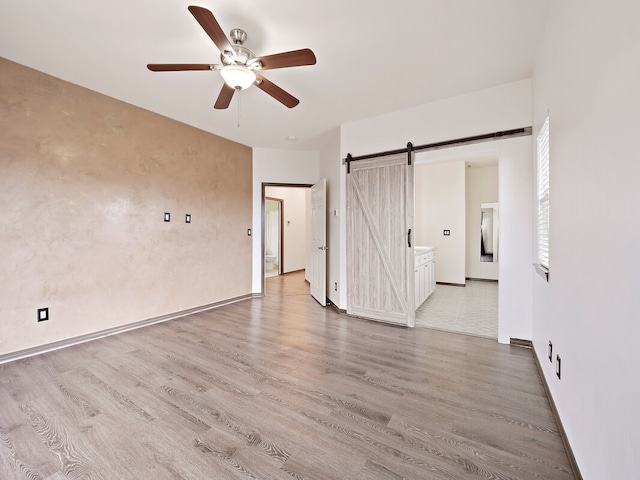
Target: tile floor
(472, 310)
(271, 273)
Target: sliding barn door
(380, 264)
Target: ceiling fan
(240, 66)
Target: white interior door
(380, 263)
(318, 277)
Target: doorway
(452, 200)
(285, 226)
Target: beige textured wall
(84, 182)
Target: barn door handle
(409, 238)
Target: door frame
(263, 287)
(280, 202)
(318, 242)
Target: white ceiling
(373, 57)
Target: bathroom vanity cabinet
(425, 272)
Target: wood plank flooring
(278, 387)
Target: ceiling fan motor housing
(239, 55)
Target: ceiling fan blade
(210, 25)
(224, 99)
(295, 58)
(276, 92)
(178, 67)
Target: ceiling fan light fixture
(238, 76)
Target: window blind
(543, 194)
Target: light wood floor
(278, 387)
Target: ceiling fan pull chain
(239, 97)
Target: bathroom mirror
(489, 232)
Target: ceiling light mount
(238, 36)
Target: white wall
(440, 205)
(481, 187)
(494, 109)
(294, 226)
(515, 190)
(586, 76)
(276, 166)
(500, 108)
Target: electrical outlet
(43, 314)
(550, 351)
(335, 286)
(558, 366)
(446, 233)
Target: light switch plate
(167, 217)
(187, 218)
